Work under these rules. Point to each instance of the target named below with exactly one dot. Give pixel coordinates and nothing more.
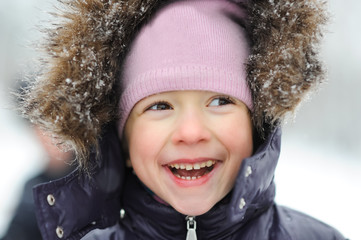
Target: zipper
(191, 228)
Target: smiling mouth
(191, 171)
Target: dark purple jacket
(113, 204)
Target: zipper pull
(191, 228)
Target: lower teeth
(187, 178)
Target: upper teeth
(191, 166)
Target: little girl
(174, 109)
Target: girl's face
(187, 146)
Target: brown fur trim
(284, 63)
(75, 97)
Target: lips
(192, 171)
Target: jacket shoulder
(300, 226)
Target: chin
(193, 209)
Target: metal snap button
(122, 213)
(60, 232)
(248, 171)
(51, 199)
(242, 203)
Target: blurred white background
(319, 172)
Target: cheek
(144, 142)
(237, 136)
(139, 151)
(138, 141)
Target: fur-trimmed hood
(77, 93)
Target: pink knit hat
(188, 45)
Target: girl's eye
(159, 106)
(219, 101)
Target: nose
(191, 128)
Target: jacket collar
(83, 203)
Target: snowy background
(320, 167)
